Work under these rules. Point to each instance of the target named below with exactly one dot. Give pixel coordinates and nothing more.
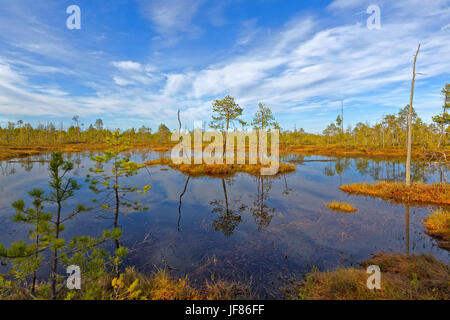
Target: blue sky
(135, 62)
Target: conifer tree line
(389, 132)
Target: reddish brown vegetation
(418, 193)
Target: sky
(136, 62)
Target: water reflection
(252, 226)
(262, 213)
(407, 228)
(229, 214)
(180, 203)
(387, 170)
(286, 190)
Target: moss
(417, 193)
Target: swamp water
(258, 229)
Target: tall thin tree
(409, 142)
(227, 111)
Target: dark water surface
(242, 228)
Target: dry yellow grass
(340, 206)
(132, 285)
(438, 226)
(10, 152)
(355, 151)
(418, 193)
(403, 277)
(160, 285)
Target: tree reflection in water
(262, 213)
(230, 211)
(228, 218)
(180, 203)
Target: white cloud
(127, 65)
(121, 81)
(171, 17)
(346, 4)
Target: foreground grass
(132, 285)
(218, 170)
(339, 206)
(403, 277)
(418, 193)
(438, 226)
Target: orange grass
(403, 277)
(10, 152)
(355, 151)
(418, 193)
(438, 226)
(340, 206)
(218, 170)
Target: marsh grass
(160, 285)
(403, 277)
(11, 152)
(438, 226)
(340, 206)
(218, 170)
(355, 151)
(418, 193)
(132, 285)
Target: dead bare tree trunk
(409, 142)
(188, 157)
(446, 99)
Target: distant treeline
(390, 132)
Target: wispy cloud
(172, 18)
(127, 65)
(304, 66)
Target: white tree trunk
(409, 137)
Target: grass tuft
(403, 277)
(340, 206)
(218, 170)
(438, 226)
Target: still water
(241, 228)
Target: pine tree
(443, 120)
(263, 118)
(227, 112)
(122, 166)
